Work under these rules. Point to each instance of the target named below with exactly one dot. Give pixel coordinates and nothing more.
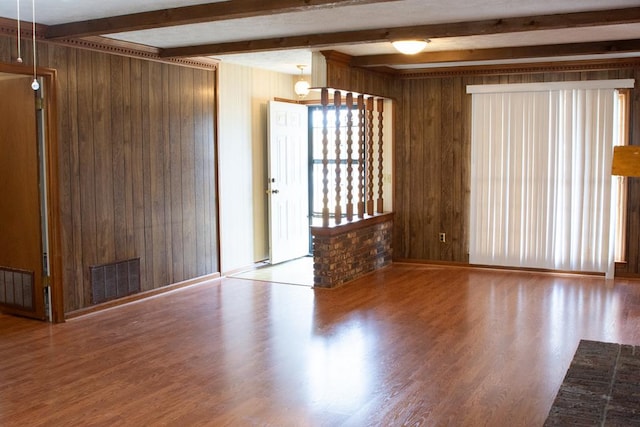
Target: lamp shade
(409, 47)
(626, 160)
(301, 88)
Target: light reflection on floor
(408, 345)
(295, 272)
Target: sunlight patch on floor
(296, 272)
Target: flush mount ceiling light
(410, 47)
(301, 88)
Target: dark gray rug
(601, 388)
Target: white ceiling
(347, 18)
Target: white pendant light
(301, 88)
(410, 47)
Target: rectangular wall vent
(115, 280)
(16, 288)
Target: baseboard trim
(140, 296)
(496, 267)
(249, 267)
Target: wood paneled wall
(137, 166)
(432, 171)
(341, 76)
(432, 159)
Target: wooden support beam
(208, 12)
(454, 29)
(369, 159)
(380, 110)
(516, 52)
(349, 104)
(337, 103)
(324, 100)
(361, 154)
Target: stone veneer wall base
(342, 253)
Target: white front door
(288, 181)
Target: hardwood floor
(409, 345)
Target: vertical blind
(541, 175)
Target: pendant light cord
(19, 59)
(35, 85)
(33, 29)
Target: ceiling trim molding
(133, 50)
(208, 12)
(9, 28)
(528, 68)
(454, 29)
(497, 69)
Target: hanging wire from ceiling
(34, 84)
(19, 58)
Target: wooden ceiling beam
(528, 67)
(195, 14)
(518, 52)
(455, 29)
